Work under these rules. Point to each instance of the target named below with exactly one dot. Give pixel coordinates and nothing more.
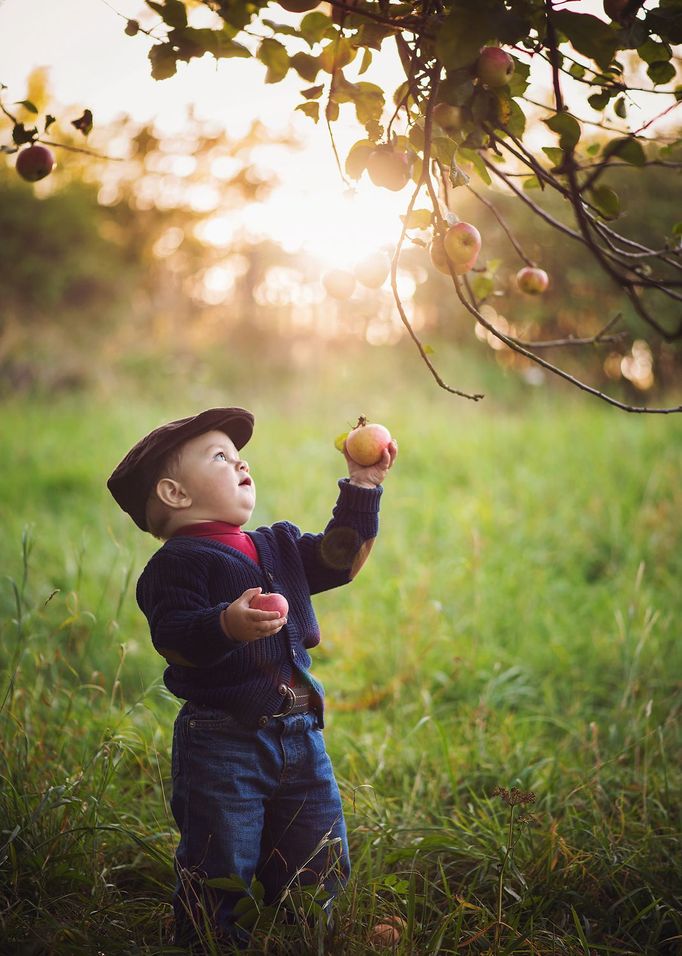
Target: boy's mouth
(245, 481)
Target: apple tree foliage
(451, 125)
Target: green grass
(518, 625)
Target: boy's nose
(243, 465)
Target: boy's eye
(217, 454)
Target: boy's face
(216, 479)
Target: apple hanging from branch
(35, 162)
(494, 67)
(532, 281)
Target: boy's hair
(156, 512)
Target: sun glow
(337, 225)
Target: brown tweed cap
(132, 480)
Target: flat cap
(133, 478)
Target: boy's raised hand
(244, 623)
(369, 476)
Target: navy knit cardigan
(189, 581)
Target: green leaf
(554, 154)
(315, 26)
(482, 286)
(606, 201)
(471, 156)
(366, 62)
(599, 101)
(620, 107)
(310, 109)
(284, 29)
(356, 161)
(652, 52)
(567, 127)
(677, 229)
(517, 122)
(313, 92)
(274, 55)
(27, 104)
(21, 135)
(369, 102)
(460, 38)
(372, 35)
(531, 182)
(163, 61)
(577, 70)
(661, 72)
(418, 219)
(443, 149)
(678, 93)
(173, 13)
(306, 66)
(519, 80)
(626, 148)
(588, 35)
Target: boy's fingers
(251, 593)
(257, 615)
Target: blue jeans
(251, 802)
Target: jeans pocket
(205, 717)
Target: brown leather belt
(299, 699)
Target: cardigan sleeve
(184, 623)
(334, 557)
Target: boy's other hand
(369, 476)
(244, 623)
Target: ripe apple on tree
(442, 262)
(35, 162)
(270, 601)
(462, 243)
(389, 167)
(449, 118)
(367, 442)
(494, 67)
(339, 283)
(532, 281)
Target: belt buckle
(288, 704)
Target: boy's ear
(172, 494)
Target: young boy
(254, 793)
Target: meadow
(503, 677)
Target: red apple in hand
(462, 243)
(367, 442)
(270, 601)
(532, 281)
(35, 162)
(494, 67)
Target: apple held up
(389, 167)
(494, 67)
(35, 162)
(270, 601)
(339, 284)
(367, 442)
(532, 281)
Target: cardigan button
(262, 721)
(282, 689)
